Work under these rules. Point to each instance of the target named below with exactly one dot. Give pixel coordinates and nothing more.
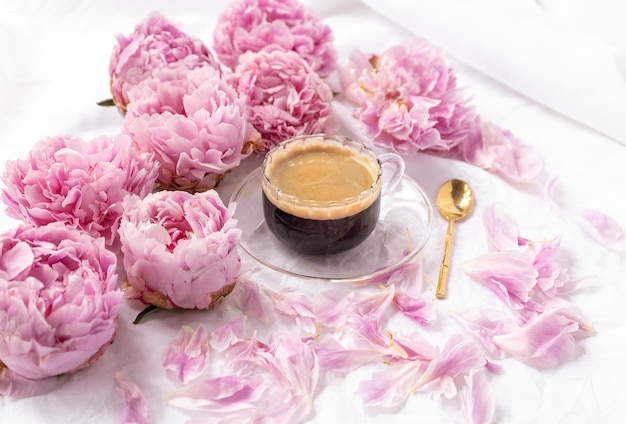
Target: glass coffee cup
(322, 193)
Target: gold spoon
(455, 201)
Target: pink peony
(194, 123)
(268, 25)
(81, 184)
(180, 249)
(58, 300)
(155, 43)
(407, 98)
(285, 97)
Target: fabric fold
(521, 45)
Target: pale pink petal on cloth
(228, 334)
(185, 356)
(509, 274)
(457, 357)
(603, 229)
(297, 306)
(227, 396)
(478, 401)
(549, 338)
(419, 308)
(247, 295)
(136, 410)
(483, 325)
(332, 356)
(500, 152)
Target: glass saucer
(401, 233)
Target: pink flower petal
(390, 387)
(220, 395)
(332, 308)
(296, 369)
(17, 261)
(478, 402)
(502, 230)
(248, 297)
(296, 306)
(483, 324)
(458, 357)
(545, 341)
(420, 308)
(397, 346)
(499, 151)
(603, 229)
(228, 334)
(14, 385)
(136, 408)
(509, 274)
(374, 303)
(186, 354)
(332, 356)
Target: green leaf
(107, 102)
(145, 312)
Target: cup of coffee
(322, 193)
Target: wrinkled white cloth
(574, 67)
(53, 69)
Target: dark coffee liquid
(320, 237)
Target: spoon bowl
(455, 200)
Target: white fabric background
(53, 69)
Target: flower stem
(107, 102)
(145, 312)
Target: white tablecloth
(566, 98)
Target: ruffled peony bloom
(285, 97)
(154, 44)
(268, 25)
(81, 184)
(407, 98)
(180, 249)
(500, 152)
(58, 300)
(194, 123)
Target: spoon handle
(442, 284)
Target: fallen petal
(478, 402)
(220, 395)
(185, 356)
(419, 308)
(603, 229)
(136, 410)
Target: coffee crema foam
(322, 180)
